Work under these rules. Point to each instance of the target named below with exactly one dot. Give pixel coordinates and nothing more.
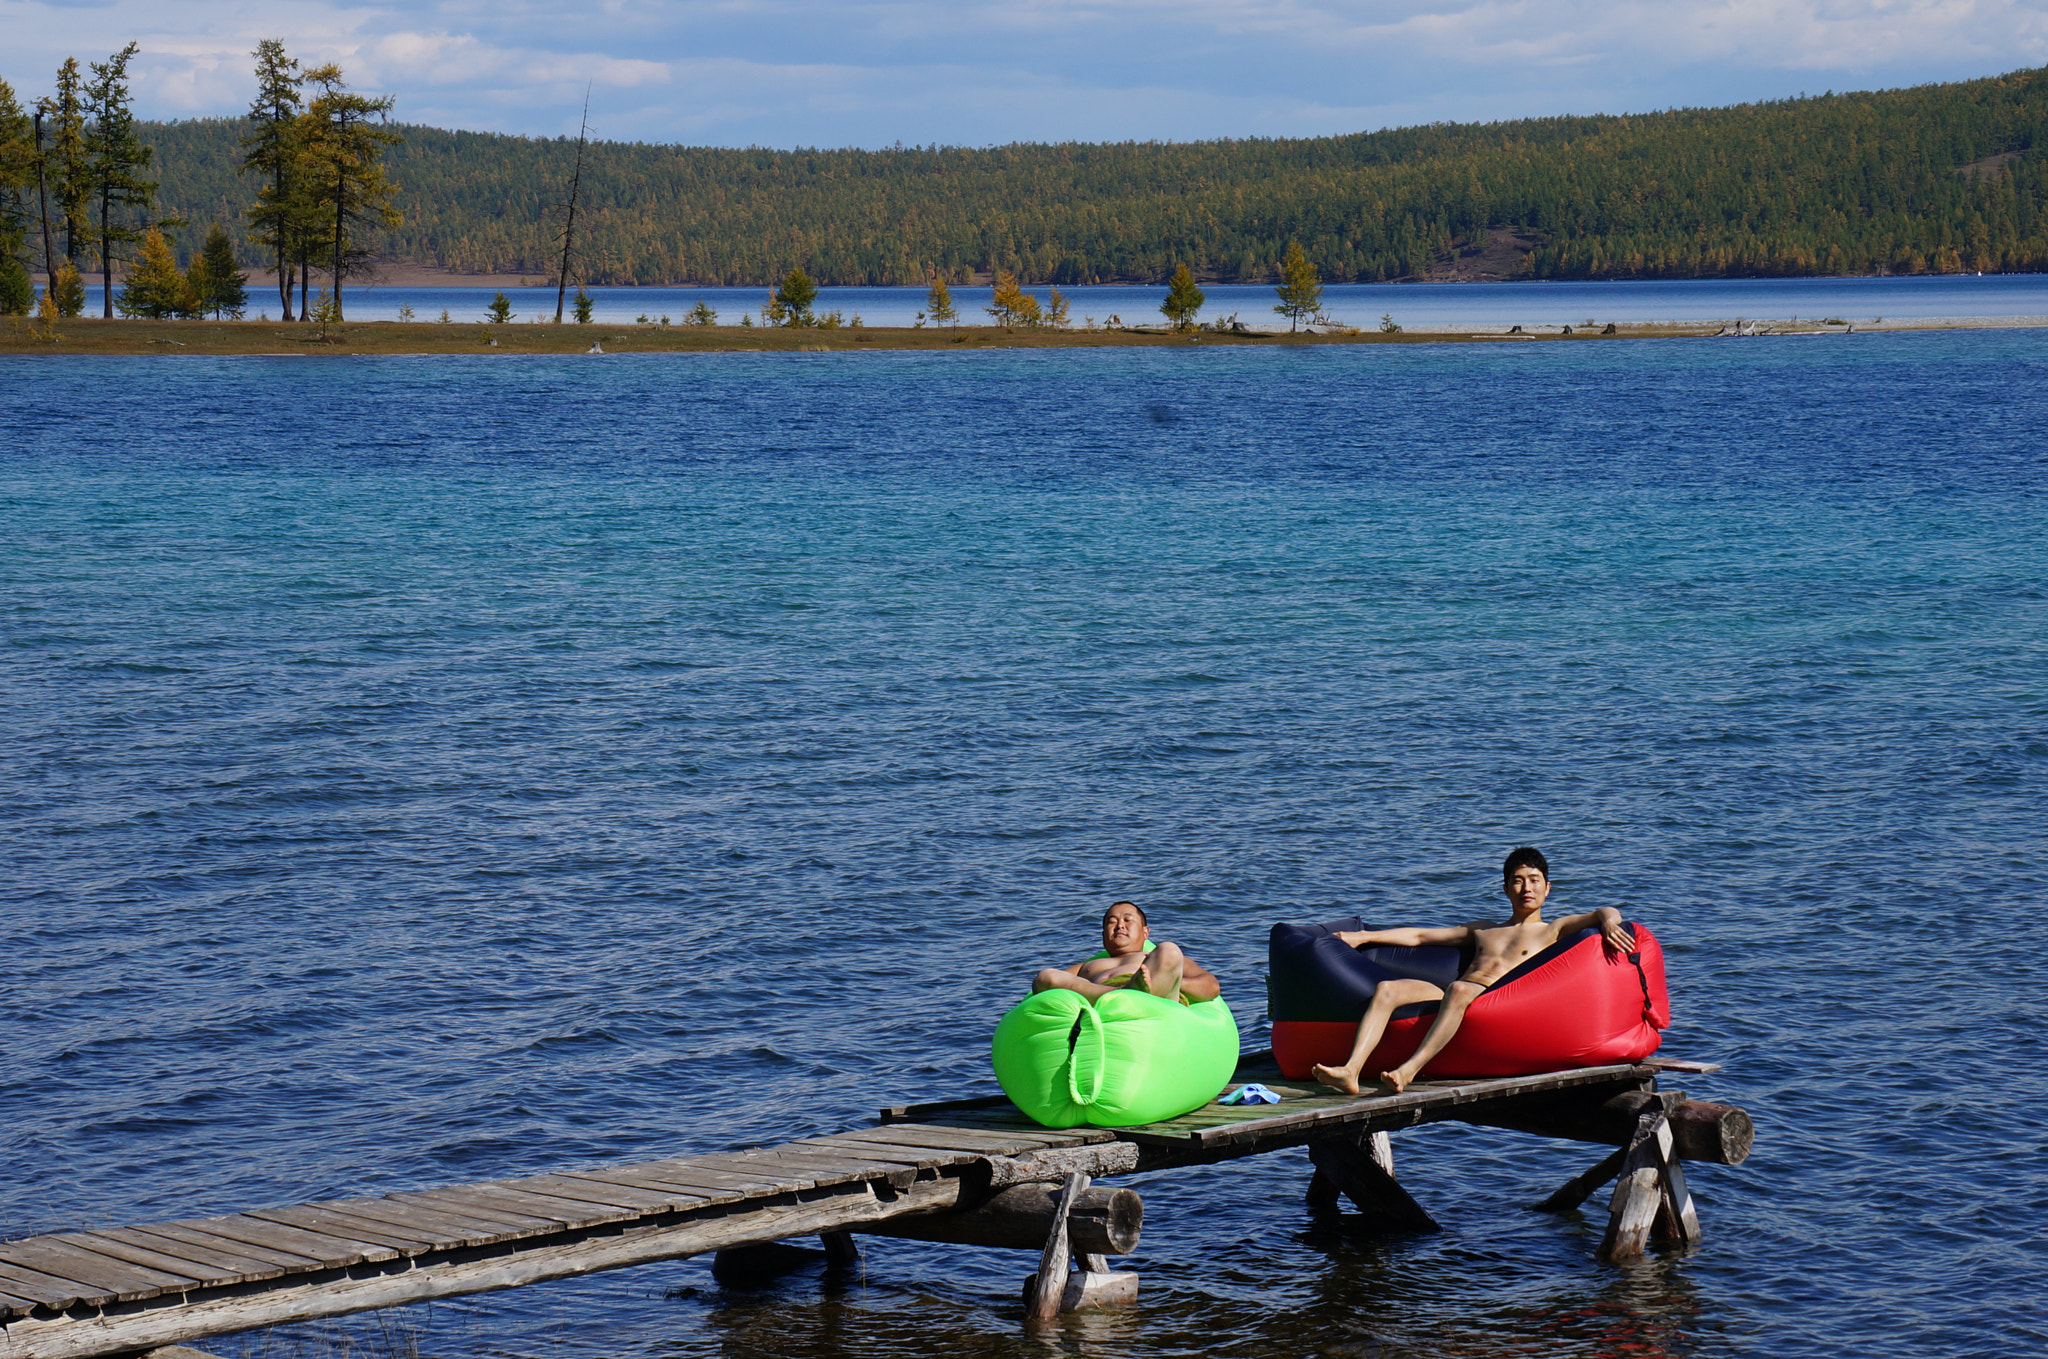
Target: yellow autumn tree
(156, 289)
(1011, 305)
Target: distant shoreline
(96, 336)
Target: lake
(435, 770)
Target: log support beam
(1362, 1169)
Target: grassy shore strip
(94, 335)
(97, 336)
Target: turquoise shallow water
(422, 770)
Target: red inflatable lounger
(1573, 1005)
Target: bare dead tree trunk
(569, 227)
(43, 192)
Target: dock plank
(707, 1171)
(231, 1266)
(345, 1227)
(150, 1258)
(618, 1195)
(333, 1251)
(446, 1225)
(673, 1178)
(574, 1215)
(127, 1282)
(920, 1158)
(516, 1223)
(992, 1142)
(49, 1290)
(773, 1179)
(183, 1237)
(839, 1167)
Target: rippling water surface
(421, 771)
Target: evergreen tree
(345, 138)
(583, 306)
(1183, 299)
(155, 288)
(938, 304)
(70, 181)
(17, 184)
(220, 287)
(272, 152)
(115, 160)
(791, 303)
(17, 289)
(500, 311)
(1301, 287)
(703, 314)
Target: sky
(874, 73)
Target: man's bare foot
(1394, 1081)
(1336, 1077)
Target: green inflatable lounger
(1122, 1059)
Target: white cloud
(786, 72)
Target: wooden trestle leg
(1363, 1170)
(1651, 1195)
(1055, 1288)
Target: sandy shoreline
(93, 335)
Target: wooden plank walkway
(124, 1289)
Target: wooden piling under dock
(934, 1171)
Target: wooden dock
(949, 1171)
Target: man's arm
(1415, 938)
(1044, 980)
(1198, 982)
(1607, 920)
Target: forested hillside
(1941, 178)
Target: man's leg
(1449, 1016)
(1388, 997)
(1161, 973)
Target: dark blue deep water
(430, 770)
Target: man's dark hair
(1143, 919)
(1527, 854)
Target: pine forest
(1941, 178)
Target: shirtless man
(1165, 971)
(1500, 948)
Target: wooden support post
(759, 1263)
(1323, 1195)
(1363, 1170)
(1580, 1188)
(840, 1248)
(1651, 1195)
(1048, 1287)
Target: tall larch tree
(345, 137)
(17, 188)
(69, 182)
(115, 160)
(271, 151)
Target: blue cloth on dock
(1253, 1093)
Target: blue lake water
(430, 770)
(1417, 306)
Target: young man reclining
(1165, 971)
(1499, 948)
